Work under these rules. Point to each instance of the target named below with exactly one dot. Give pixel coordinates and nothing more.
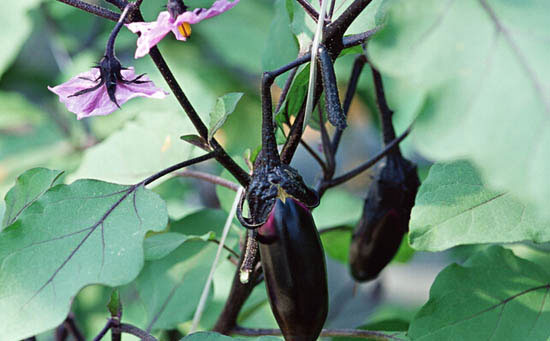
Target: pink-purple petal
(151, 33)
(97, 102)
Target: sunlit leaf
(28, 188)
(157, 138)
(486, 84)
(454, 207)
(494, 296)
(72, 236)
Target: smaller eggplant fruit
(385, 218)
(293, 262)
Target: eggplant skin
(385, 218)
(294, 267)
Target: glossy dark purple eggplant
(293, 262)
(385, 218)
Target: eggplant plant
(166, 219)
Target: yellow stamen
(185, 29)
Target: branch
(338, 27)
(216, 180)
(104, 330)
(371, 162)
(314, 154)
(177, 166)
(227, 248)
(355, 333)
(93, 9)
(350, 92)
(386, 113)
(309, 10)
(133, 330)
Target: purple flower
(180, 25)
(102, 89)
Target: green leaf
(157, 138)
(17, 27)
(29, 187)
(454, 207)
(282, 47)
(160, 245)
(168, 288)
(494, 296)
(337, 208)
(89, 232)
(224, 106)
(479, 80)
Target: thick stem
(336, 30)
(116, 330)
(237, 297)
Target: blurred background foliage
(47, 42)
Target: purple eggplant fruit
(385, 218)
(293, 262)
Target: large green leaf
(157, 138)
(16, 28)
(494, 296)
(28, 188)
(487, 85)
(169, 289)
(177, 265)
(454, 207)
(72, 236)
